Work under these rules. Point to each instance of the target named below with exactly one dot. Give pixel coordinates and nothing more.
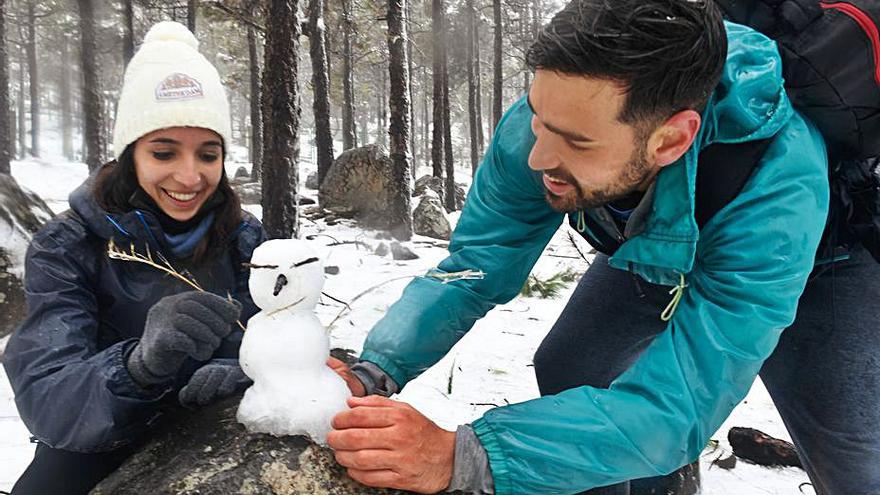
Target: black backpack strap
(722, 172)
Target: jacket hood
(749, 103)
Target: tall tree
(412, 103)
(191, 15)
(33, 76)
(256, 111)
(5, 117)
(127, 31)
(449, 182)
(22, 129)
(437, 75)
(348, 132)
(281, 120)
(65, 96)
(472, 83)
(321, 88)
(478, 71)
(398, 130)
(92, 102)
(497, 77)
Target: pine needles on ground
(548, 288)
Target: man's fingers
(378, 478)
(364, 417)
(359, 439)
(372, 400)
(367, 460)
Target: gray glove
(192, 324)
(216, 380)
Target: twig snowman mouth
(287, 307)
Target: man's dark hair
(667, 54)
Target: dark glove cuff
(139, 371)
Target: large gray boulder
(22, 213)
(429, 218)
(431, 183)
(361, 180)
(208, 452)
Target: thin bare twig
(362, 294)
(116, 253)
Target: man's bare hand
(388, 444)
(342, 369)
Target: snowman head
(286, 273)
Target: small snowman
(285, 347)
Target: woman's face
(179, 168)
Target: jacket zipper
(866, 23)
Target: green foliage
(550, 287)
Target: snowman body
(285, 348)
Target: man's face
(588, 158)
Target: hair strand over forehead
(667, 54)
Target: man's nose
(543, 155)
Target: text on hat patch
(177, 87)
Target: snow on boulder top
(171, 31)
(22, 213)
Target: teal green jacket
(743, 275)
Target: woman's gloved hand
(192, 324)
(216, 380)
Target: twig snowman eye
(304, 262)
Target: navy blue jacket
(66, 362)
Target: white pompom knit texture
(168, 83)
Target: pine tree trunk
(410, 76)
(497, 78)
(439, 49)
(66, 111)
(92, 102)
(525, 27)
(320, 86)
(33, 77)
(22, 125)
(348, 131)
(449, 183)
(5, 135)
(127, 32)
(281, 121)
(398, 129)
(191, 15)
(256, 111)
(472, 86)
(478, 70)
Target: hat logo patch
(177, 87)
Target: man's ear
(674, 137)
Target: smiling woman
(107, 347)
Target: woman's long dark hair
(117, 181)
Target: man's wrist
(471, 472)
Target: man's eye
(163, 155)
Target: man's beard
(636, 173)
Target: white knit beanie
(168, 83)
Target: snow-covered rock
(22, 213)
(429, 218)
(431, 183)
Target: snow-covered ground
(491, 365)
